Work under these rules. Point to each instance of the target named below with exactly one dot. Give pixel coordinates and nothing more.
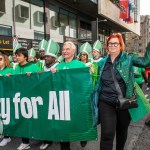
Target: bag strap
(120, 95)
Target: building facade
(29, 21)
(138, 43)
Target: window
(64, 23)
(38, 35)
(73, 26)
(5, 30)
(85, 30)
(2, 7)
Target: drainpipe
(14, 18)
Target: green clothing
(138, 75)
(40, 65)
(125, 67)
(70, 65)
(6, 70)
(29, 67)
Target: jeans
(113, 121)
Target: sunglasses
(1, 58)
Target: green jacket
(125, 68)
(29, 67)
(6, 70)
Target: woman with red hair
(116, 67)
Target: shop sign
(26, 43)
(6, 43)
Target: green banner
(48, 106)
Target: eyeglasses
(1, 58)
(83, 54)
(113, 44)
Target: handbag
(123, 103)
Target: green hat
(60, 58)
(31, 52)
(17, 46)
(86, 47)
(97, 46)
(52, 48)
(10, 58)
(42, 45)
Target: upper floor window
(38, 35)
(5, 30)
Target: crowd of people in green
(126, 68)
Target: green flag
(47, 106)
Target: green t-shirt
(70, 65)
(138, 75)
(29, 67)
(6, 70)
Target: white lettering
(26, 112)
(36, 100)
(53, 106)
(5, 110)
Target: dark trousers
(65, 145)
(25, 140)
(140, 85)
(113, 121)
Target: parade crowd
(115, 76)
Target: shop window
(5, 30)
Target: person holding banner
(114, 119)
(51, 52)
(5, 70)
(24, 67)
(68, 53)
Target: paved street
(138, 139)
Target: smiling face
(113, 46)
(68, 52)
(83, 56)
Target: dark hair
(22, 51)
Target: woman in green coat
(105, 97)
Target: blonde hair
(6, 59)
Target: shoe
(44, 146)
(23, 146)
(147, 123)
(83, 143)
(147, 88)
(5, 141)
